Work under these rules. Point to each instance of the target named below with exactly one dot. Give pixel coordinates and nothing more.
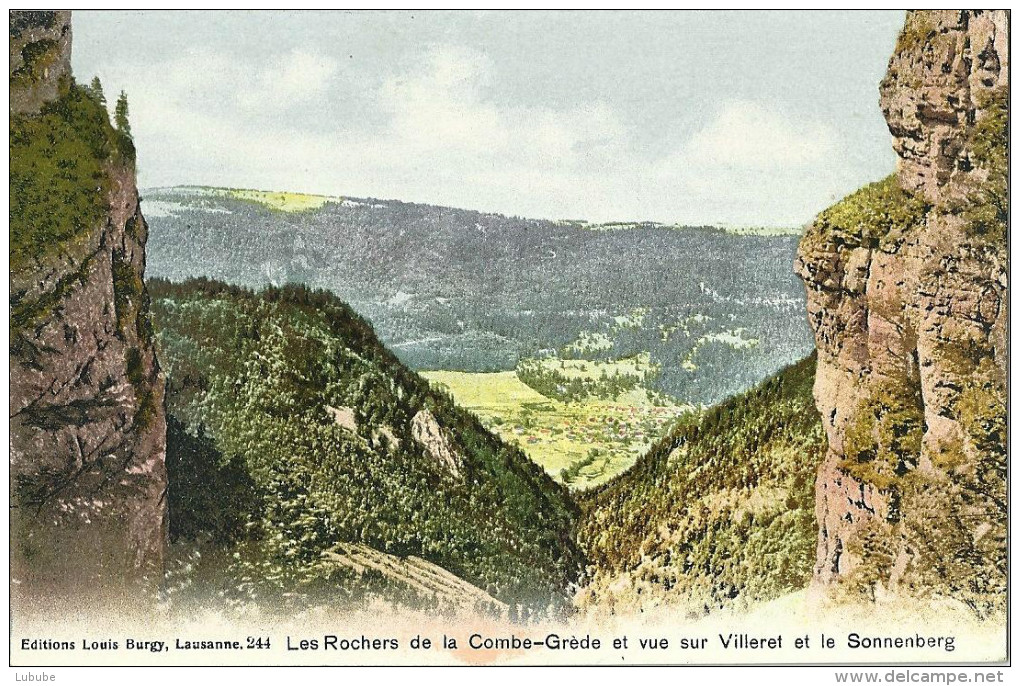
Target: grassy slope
(719, 513)
(582, 443)
(251, 377)
(280, 200)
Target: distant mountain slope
(719, 513)
(451, 289)
(294, 430)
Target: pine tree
(121, 115)
(97, 90)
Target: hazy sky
(736, 117)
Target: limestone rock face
(426, 432)
(40, 57)
(945, 63)
(87, 421)
(907, 296)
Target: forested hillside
(578, 343)
(294, 431)
(458, 290)
(719, 513)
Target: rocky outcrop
(946, 63)
(40, 57)
(344, 417)
(907, 296)
(88, 428)
(426, 432)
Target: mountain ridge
(253, 194)
(342, 444)
(463, 291)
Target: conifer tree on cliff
(97, 91)
(121, 115)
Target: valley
(580, 343)
(254, 405)
(580, 443)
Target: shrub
(58, 177)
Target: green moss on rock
(58, 174)
(37, 57)
(883, 442)
(917, 30)
(987, 208)
(876, 216)
(26, 314)
(982, 410)
(128, 290)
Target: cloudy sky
(717, 117)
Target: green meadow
(580, 443)
(278, 200)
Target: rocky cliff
(40, 57)
(907, 296)
(87, 423)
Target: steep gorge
(88, 428)
(907, 296)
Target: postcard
(509, 338)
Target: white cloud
(437, 106)
(444, 106)
(526, 118)
(750, 135)
(216, 83)
(298, 75)
(438, 132)
(754, 163)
